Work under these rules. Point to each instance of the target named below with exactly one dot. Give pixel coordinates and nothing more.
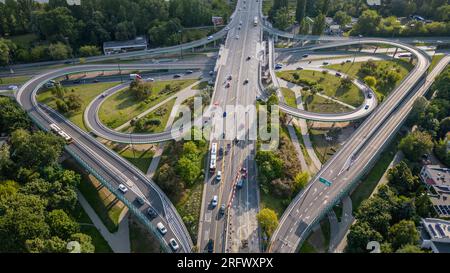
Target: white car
(214, 201)
(161, 228)
(173, 244)
(219, 176)
(227, 28)
(122, 188)
(237, 37)
(210, 37)
(13, 87)
(150, 80)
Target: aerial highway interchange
(246, 48)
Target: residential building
(437, 177)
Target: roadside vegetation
(141, 240)
(57, 30)
(37, 196)
(181, 175)
(392, 215)
(140, 96)
(289, 97)
(72, 101)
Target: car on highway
(229, 78)
(248, 58)
(151, 213)
(227, 85)
(222, 209)
(219, 176)
(189, 72)
(366, 107)
(214, 201)
(237, 37)
(239, 27)
(227, 28)
(173, 244)
(338, 74)
(224, 114)
(369, 95)
(240, 22)
(211, 73)
(177, 76)
(210, 37)
(122, 188)
(140, 201)
(348, 61)
(210, 246)
(150, 80)
(299, 68)
(240, 183)
(305, 56)
(325, 63)
(162, 229)
(245, 81)
(13, 87)
(278, 66)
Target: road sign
(324, 181)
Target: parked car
(122, 188)
(162, 229)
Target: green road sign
(324, 181)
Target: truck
(135, 77)
(255, 21)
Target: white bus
(212, 164)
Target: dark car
(227, 85)
(221, 151)
(224, 114)
(210, 246)
(222, 209)
(369, 95)
(305, 56)
(177, 76)
(246, 81)
(140, 201)
(151, 213)
(248, 58)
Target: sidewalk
(119, 241)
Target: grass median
(123, 106)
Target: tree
(37, 150)
(416, 144)
(23, 218)
(410, 249)
(370, 81)
(367, 23)
(89, 50)
(59, 51)
(300, 181)
(319, 24)
(402, 180)
(268, 220)
(12, 117)
(188, 170)
(73, 102)
(342, 18)
(85, 242)
(6, 49)
(376, 213)
(52, 245)
(300, 11)
(61, 224)
(346, 83)
(359, 236)
(283, 18)
(403, 233)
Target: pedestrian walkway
(118, 241)
(339, 228)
